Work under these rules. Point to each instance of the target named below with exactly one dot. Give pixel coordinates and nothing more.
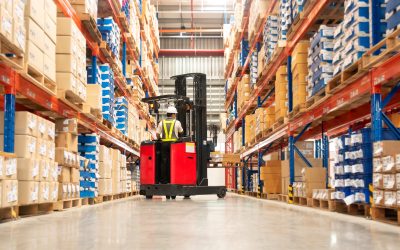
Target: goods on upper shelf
(281, 97)
(299, 73)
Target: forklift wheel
(149, 197)
(222, 194)
(168, 197)
(173, 197)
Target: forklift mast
(199, 116)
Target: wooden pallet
(279, 122)
(387, 48)
(91, 26)
(132, 44)
(224, 164)
(35, 209)
(124, 22)
(316, 99)
(387, 215)
(302, 201)
(359, 209)
(252, 194)
(268, 196)
(297, 110)
(10, 54)
(283, 198)
(345, 77)
(256, 26)
(36, 77)
(266, 132)
(66, 204)
(319, 203)
(8, 213)
(71, 98)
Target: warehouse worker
(168, 131)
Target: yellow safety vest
(169, 135)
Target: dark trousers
(164, 170)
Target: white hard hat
(172, 110)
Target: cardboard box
(69, 141)
(51, 9)
(378, 197)
(44, 192)
(25, 123)
(67, 81)
(389, 181)
(53, 171)
(309, 186)
(53, 191)
(51, 150)
(67, 27)
(314, 174)
(28, 169)
(65, 174)
(42, 127)
(6, 24)
(9, 169)
(50, 28)
(35, 34)
(67, 125)
(9, 191)
(2, 169)
(28, 192)
(386, 148)
(75, 175)
(35, 10)
(25, 146)
(105, 186)
(67, 45)
(34, 56)
(64, 191)
(66, 64)
(94, 96)
(377, 180)
(105, 169)
(51, 131)
(19, 35)
(49, 69)
(272, 183)
(46, 170)
(41, 149)
(66, 158)
(390, 199)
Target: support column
(124, 58)
(94, 69)
(291, 159)
(9, 122)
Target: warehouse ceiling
(208, 15)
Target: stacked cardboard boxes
(110, 34)
(249, 129)
(270, 38)
(386, 176)
(8, 181)
(71, 61)
(35, 151)
(258, 10)
(243, 91)
(40, 47)
(88, 7)
(67, 158)
(121, 114)
(271, 176)
(12, 22)
(300, 72)
(124, 175)
(237, 140)
(269, 117)
(116, 171)
(311, 178)
(105, 169)
(281, 97)
(259, 121)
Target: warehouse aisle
(200, 223)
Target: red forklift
(189, 155)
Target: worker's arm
(179, 126)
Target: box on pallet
(271, 176)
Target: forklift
(189, 155)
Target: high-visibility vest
(169, 131)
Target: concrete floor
(199, 223)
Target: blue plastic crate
(88, 184)
(87, 175)
(345, 190)
(87, 194)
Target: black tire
(187, 196)
(222, 194)
(168, 197)
(173, 197)
(149, 197)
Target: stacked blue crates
(285, 18)
(89, 148)
(392, 15)
(253, 68)
(107, 85)
(354, 167)
(270, 37)
(244, 52)
(338, 48)
(121, 114)
(320, 57)
(356, 24)
(90, 78)
(110, 34)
